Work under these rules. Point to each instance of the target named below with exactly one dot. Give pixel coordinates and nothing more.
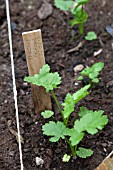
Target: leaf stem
(73, 149)
(57, 103)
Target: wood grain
(35, 60)
(106, 165)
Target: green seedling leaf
(98, 66)
(66, 158)
(80, 94)
(47, 114)
(83, 111)
(84, 153)
(81, 2)
(57, 130)
(91, 36)
(80, 78)
(68, 105)
(46, 79)
(63, 4)
(75, 137)
(91, 122)
(80, 16)
(92, 72)
(95, 80)
(71, 100)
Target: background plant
(72, 130)
(92, 73)
(77, 10)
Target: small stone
(13, 26)
(97, 52)
(27, 150)
(5, 101)
(9, 123)
(12, 153)
(78, 68)
(76, 84)
(25, 84)
(104, 144)
(22, 92)
(39, 161)
(73, 33)
(45, 11)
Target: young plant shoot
(91, 36)
(72, 130)
(92, 73)
(77, 10)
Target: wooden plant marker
(35, 60)
(106, 165)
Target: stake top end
(30, 32)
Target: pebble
(73, 33)
(45, 11)
(25, 84)
(78, 68)
(76, 84)
(97, 52)
(74, 64)
(13, 26)
(39, 161)
(12, 153)
(5, 101)
(27, 150)
(9, 123)
(22, 92)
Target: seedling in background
(77, 10)
(92, 73)
(72, 130)
(91, 36)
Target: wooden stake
(35, 60)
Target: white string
(14, 82)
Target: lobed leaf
(47, 114)
(46, 79)
(93, 72)
(91, 36)
(75, 137)
(71, 100)
(68, 105)
(56, 130)
(83, 111)
(83, 152)
(80, 78)
(63, 5)
(80, 94)
(66, 158)
(91, 122)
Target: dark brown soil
(58, 38)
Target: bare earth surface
(58, 38)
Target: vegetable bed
(59, 40)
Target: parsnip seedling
(77, 10)
(92, 73)
(86, 122)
